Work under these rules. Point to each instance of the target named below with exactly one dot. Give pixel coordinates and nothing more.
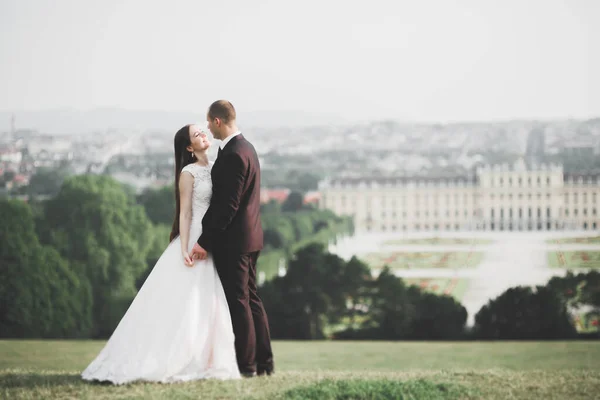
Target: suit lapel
(217, 165)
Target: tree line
(71, 265)
(323, 296)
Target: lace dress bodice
(201, 195)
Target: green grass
(574, 259)
(382, 389)
(333, 370)
(450, 286)
(576, 240)
(419, 259)
(438, 241)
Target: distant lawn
(412, 260)
(576, 240)
(332, 370)
(449, 286)
(438, 241)
(574, 259)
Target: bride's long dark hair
(182, 158)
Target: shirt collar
(224, 142)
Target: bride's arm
(186, 184)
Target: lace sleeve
(190, 168)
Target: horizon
(336, 121)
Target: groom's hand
(198, 253)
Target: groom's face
(214, 126)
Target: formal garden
(432, 241)
(423, 259)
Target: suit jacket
(232, 221)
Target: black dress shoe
(267, 370)
(250, 374)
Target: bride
(178, 327)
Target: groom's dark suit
(232, 232)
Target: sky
(421, 60)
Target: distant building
(312, 198)
(521, 197)
(536, 146)
(21, 180)
(278, 195)
(582, 149)
(11, 155)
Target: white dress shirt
(227, 139)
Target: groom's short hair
(223, 110)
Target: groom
(232, 232)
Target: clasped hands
(197, 253)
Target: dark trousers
(250, 324)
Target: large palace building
(517, 197)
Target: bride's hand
(187, 259)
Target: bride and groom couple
(198, 314)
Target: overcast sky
(418, 60)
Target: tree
(391, 313)
(40, 297)
(320, 290)
(272, 207)
(273, 239)
(278, 230)
(355, 282)
(9, 175)
(577, 290)
(522, 313)
(159, 204)
(308, 285)
(293, 203)
(160, 241)
(303, 226)
(287, 318)
(436, 317)
(307, 182)
(580, 294)
(95, 224)
(310, 296)
(46, 181)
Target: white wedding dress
(178, 327)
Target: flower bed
(438, 241)
(574, 259)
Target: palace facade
(493, 198)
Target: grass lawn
(433, 259)
(574, 259)
(333, 370)
(576, 240)
(438, 241)
(450, 286)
